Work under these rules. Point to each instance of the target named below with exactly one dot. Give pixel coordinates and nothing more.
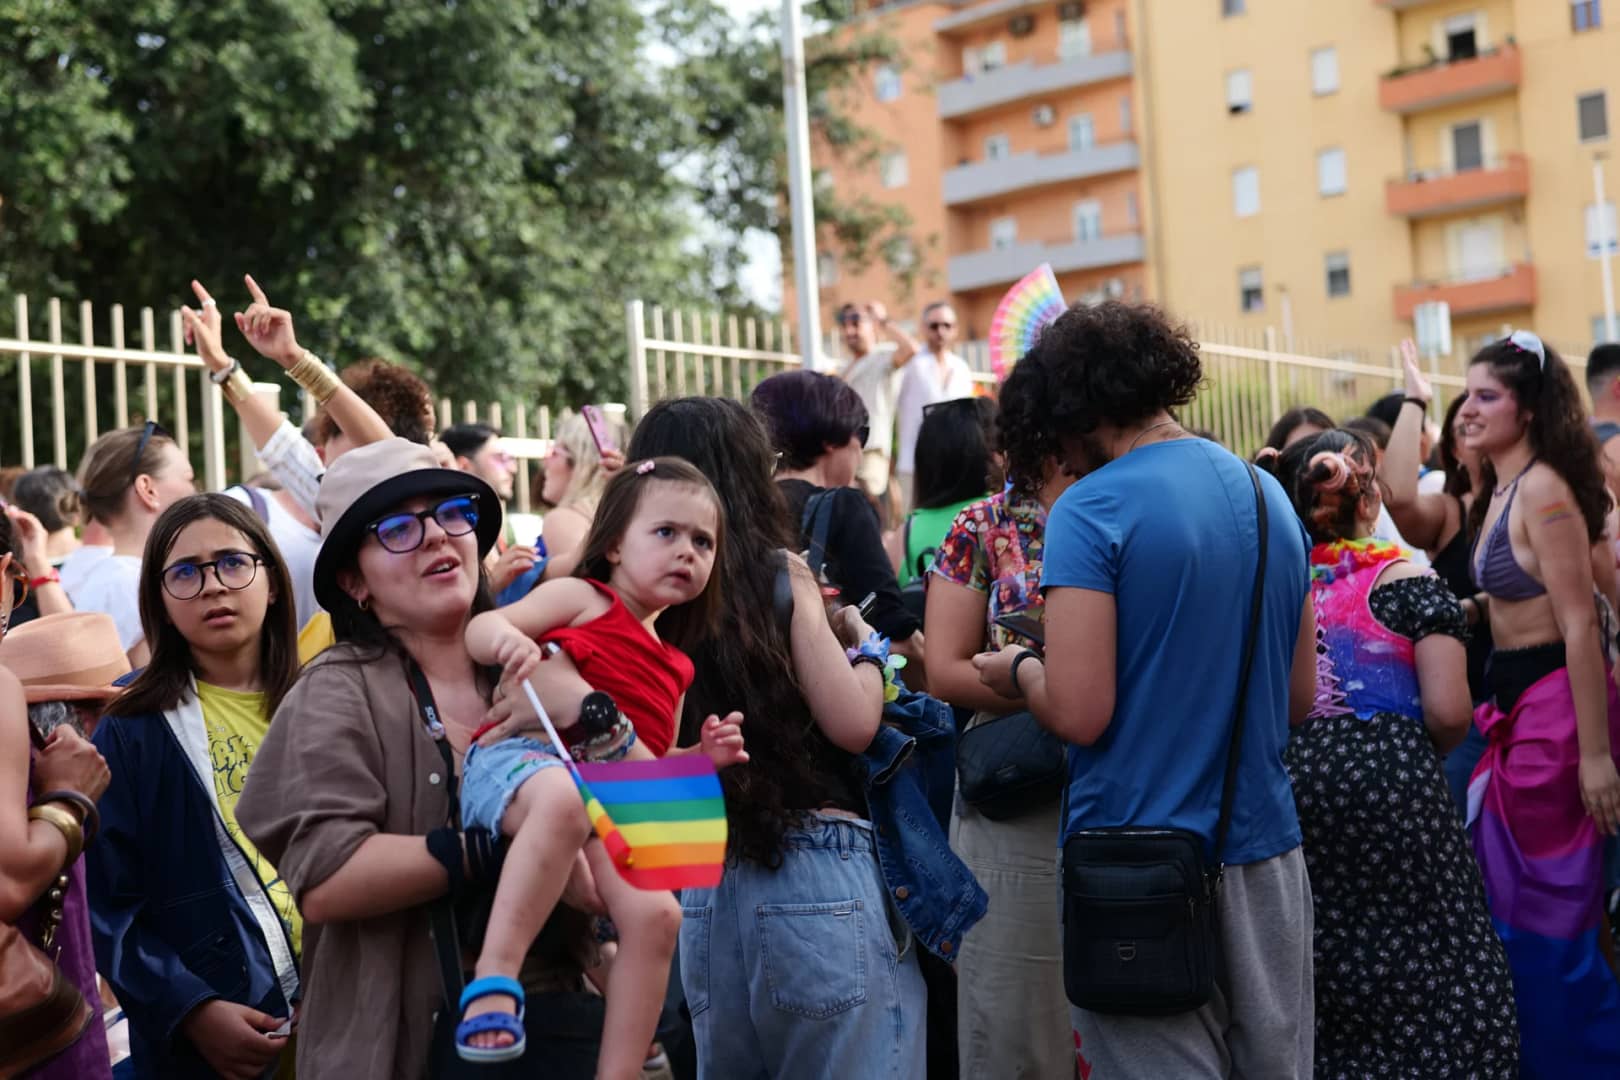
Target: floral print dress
(994, 547)
(1411, 979)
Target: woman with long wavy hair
(790, 966)
(1546, 793)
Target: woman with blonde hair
(575, 476)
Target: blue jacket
(176, 911)
(937, 894)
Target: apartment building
(1317, 166)
(1013, 136)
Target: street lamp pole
(1606, 240)
(800, 207)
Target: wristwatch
(220, 377)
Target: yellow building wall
(1198, 244)
(1428, 133)
(1558, 67)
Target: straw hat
(366, 483)
(73, 656)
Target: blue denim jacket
(172, 927)
(937, 894)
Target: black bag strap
(815, 524)
(1234, 749)
(782, 595)
(441, 912)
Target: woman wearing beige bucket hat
(53, 669)
(353, 791)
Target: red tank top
(620, 657)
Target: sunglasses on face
(149, 429)
(942, 326)
(404, 532)
(235, 570)
(852, 319)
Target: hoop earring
(365, 605)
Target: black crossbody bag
(1141, 933)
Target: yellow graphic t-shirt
(315, 638)
(236, 724)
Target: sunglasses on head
(405, 531)
(148, 429)
(965, 404)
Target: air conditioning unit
(1021, 25)
(1072, 10)
(1045, 116)
(1115, 288)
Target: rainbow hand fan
(673, 834)
(1026, 310)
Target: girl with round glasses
(196, 930)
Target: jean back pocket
(814, 956)
(694, 956)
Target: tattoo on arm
(1556, 512)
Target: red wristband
(51, 578)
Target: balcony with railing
(1015, 82)
(1402, 5)
(1428, 192)
(1023, 172)
(1439, 83)
(1514, 288)
(1000, 266)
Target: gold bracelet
(237, 388)
(65, 822)
(314, 376)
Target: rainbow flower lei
(1341, 558)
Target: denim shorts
(491, 775)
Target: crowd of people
(1022, 705)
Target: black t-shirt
(856, 561)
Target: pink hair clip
(646, 467)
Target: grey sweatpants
(1261, 1023)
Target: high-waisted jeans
(804, 971)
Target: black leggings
(1510, 672)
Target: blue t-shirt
(1169, 530)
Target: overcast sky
(763, 277)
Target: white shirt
(921, 385)
(1432, 482)
(295, 464)
(877, 382)
(77, 565)
(297, 544)
(113, 586)
(1385, 530)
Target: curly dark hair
(1288, 421)
(1112, 363)
(1559, 434)
(401, 398)
(1327, 477)
(747, 664)
(806, 412)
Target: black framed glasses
(148, 429)
(235, 570)
(942, 326)
(403, 532)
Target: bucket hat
(368, 482)
(69, 656)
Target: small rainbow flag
(663, 822)
(674, 834)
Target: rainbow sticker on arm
(1023, 313)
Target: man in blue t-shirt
(1148, 579)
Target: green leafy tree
(472, 187)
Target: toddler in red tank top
(589, 646)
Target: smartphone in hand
(600, 433)
(1030, 629)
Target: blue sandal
(507, 1023)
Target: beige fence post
(1273, 390)
(182, 418)
(25, 387)
(87, 337)
(149, 375)
(636, 334)
(120, 370)
(58, 390)
(521, 422)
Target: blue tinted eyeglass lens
(457, 516)
(235, 570)
(182, 578)
(400, 532)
